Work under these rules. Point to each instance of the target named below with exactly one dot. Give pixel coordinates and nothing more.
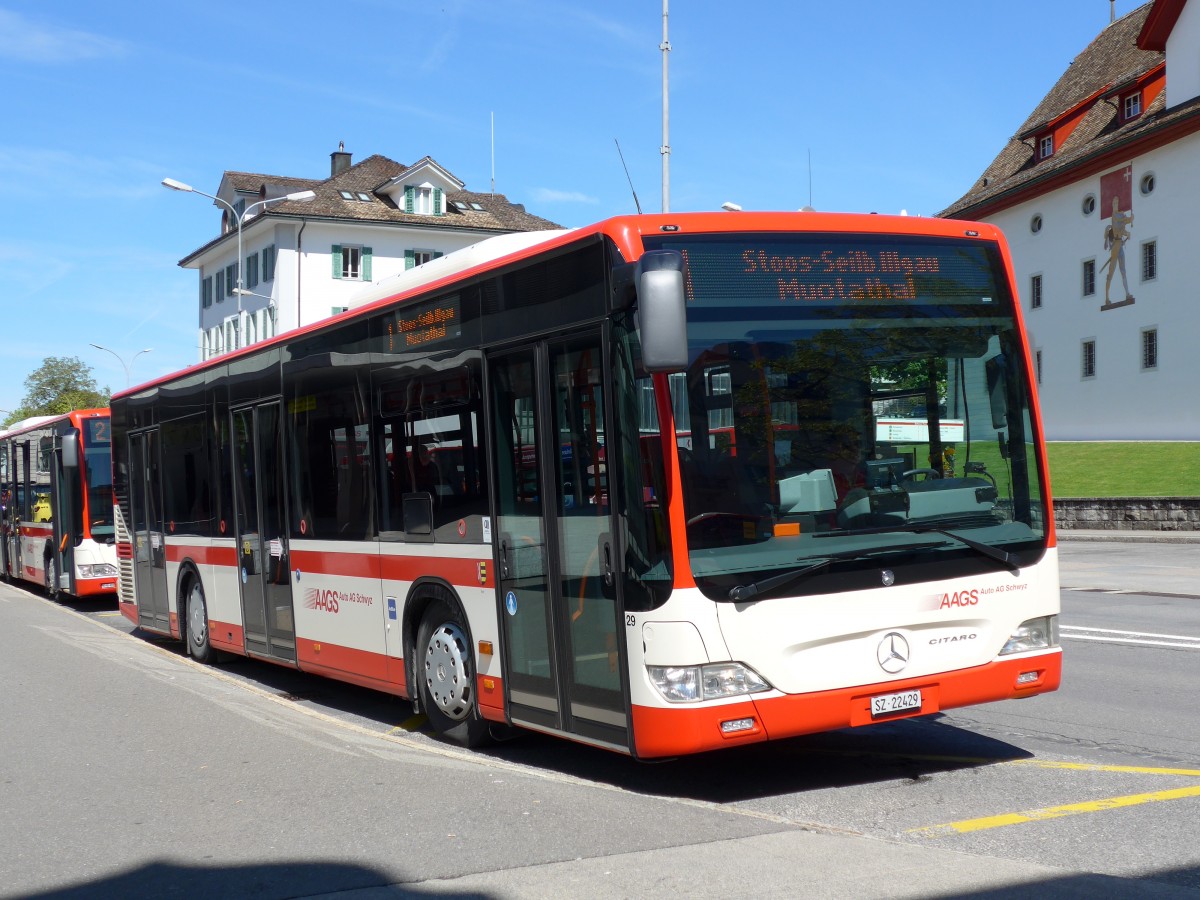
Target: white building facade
(302, 261)
(1097, 195)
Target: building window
(268, 263)
(1035, 292)
(230, 280)
(1035, 224)
(251, 329)
(1150, 348)
(1089, 277)
(1149, 260)
(1037, 365)
(351, 263)
(221, 286)
(1089, 204)
(1146, 185)
(414, 258)
(1046, 147)
(1131, 106)
(1089, 359)
(268, 325)
(252, 270)
(206, 292)
(338, 310)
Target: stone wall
(1128, 513)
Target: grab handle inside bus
(662, 311)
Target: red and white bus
(58, 503)
(624, 484)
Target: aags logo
(325, 600)
(959, 599)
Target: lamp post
(302, 196)
(124, 365)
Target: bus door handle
(504, 567)
(606, 563)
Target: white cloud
(549, 195)
(25, 40)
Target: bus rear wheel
(197, 624)
(445, 671)
(51, 578)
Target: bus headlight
(691, 684)
(1035, 634)
(97, 570)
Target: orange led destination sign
(425, 325)
(854, 274)
(821, 274)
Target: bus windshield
(97, 464)
(851, 401)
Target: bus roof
(626, 231)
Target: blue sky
(899, 105)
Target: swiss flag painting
(1117, 186)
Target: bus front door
(558, 585)
(149, 554)
(262, 532)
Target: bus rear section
(58, 504)
(864, 493)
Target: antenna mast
(665, 149)
(493, 152)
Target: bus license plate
(889, 704)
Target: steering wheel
(928, 473)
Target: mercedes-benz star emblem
(893, 652)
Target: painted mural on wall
(1116, 205)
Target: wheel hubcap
(447, 673)
(197, 620)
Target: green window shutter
(437, 253)
(409, 261)
(437, 202)
(410, 198)
(337, 260)
(366, 264)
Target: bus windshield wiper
(746, 591)
(1008, 560)
(754, 588)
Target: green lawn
(1125, 469)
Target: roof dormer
(421, 188)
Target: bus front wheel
(446, 675)
(197, 624)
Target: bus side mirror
(662, 311)
(70, 449)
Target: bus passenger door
(261, 532)
(558, 576)
(149, 554)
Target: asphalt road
(125, 769)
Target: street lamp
(126, 366)
(302, 196)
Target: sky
(873, 106)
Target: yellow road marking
(1096, 767)
(413, 723)
(1054, 812)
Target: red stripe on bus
(394, 568)
(227, 636)
(679, 730)
(215, 556)
(456, 571)
(360, 667)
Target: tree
(61, 384)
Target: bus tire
(196, 623)
(51, 573)
(445, 670)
